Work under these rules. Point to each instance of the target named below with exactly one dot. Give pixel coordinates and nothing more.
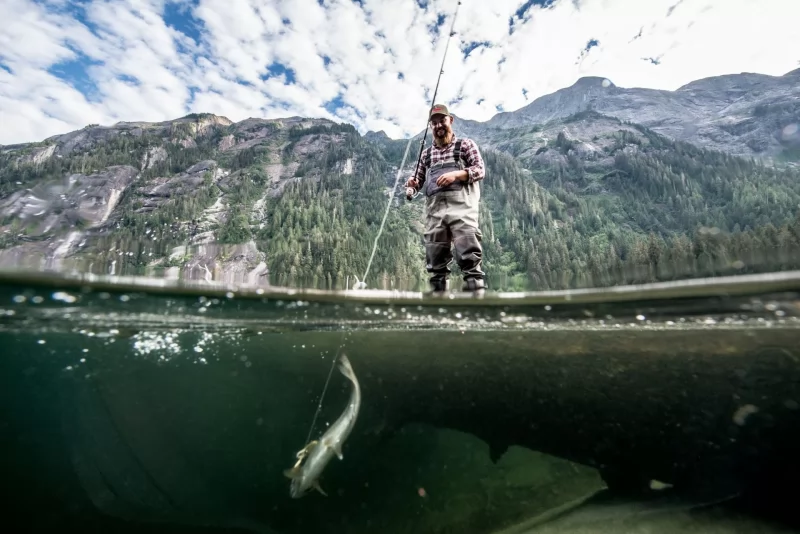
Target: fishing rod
(361, 283)
(433, 100)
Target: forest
(659, 210)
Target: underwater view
(135, 405)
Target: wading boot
(476, 286)
(438, 288)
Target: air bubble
(740, 416)
(63, 296)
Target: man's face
(440, 124)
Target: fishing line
(362, 282)
(325, 388)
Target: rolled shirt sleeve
(420, 172)
(475, 166)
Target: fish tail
(345, 368)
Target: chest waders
(451, 216)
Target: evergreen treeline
(663, 211)
(321, 230)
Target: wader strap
(457, 151)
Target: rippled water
(137, 406)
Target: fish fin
(335, 446)
(345, 368)
(292, 473)
(319, 488)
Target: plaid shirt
(469, 153)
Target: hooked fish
(317, 454)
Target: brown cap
(439, 109)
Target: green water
(151, 408)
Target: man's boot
(477, 286)
(439, 287)
(438, 256)
(469, 255)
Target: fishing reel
(411, 193)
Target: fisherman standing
(449, 172)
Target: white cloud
(383, 58)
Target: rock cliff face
(164, 212)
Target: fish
(315, 456)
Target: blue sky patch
(180, 17)
(520, 13)
(6, 68)
(333, 105)
(74, 72)
(467, 49)
(128, 79)
(278, 69)
(591, 44)
(523, 9)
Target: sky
(372, 63)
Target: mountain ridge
(583, 199)
(679, 116)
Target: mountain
(575, 199)
(744, 114)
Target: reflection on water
(142, 409)
(200, 258)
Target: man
(450, 172)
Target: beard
(442, 134)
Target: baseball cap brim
(439, 109)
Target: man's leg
(463, 218)
(437, 244)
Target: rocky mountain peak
(376, 136)
(587, 82)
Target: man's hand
(449, 177)
(412, 182)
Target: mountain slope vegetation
(580, 201)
